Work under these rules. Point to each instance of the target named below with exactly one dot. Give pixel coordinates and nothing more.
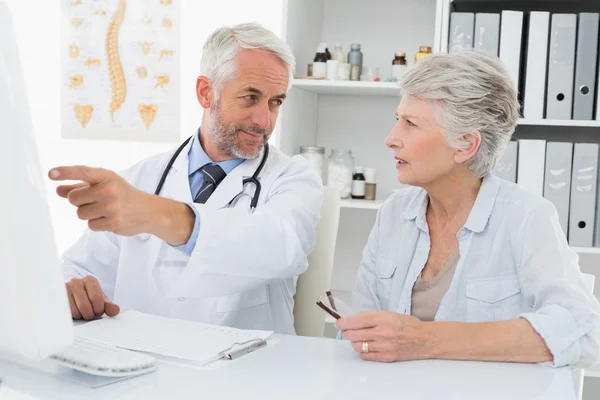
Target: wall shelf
(348, 88)
(390, 89)
(587, 250)
(558, 122)
(592, 373)
(362, 204)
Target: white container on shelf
(315, 156)
(344, 72)
(339, 172)
(332, 70)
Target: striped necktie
(213, 175)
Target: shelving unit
(359, 115)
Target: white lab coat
(244, 267)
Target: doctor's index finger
(83, 173)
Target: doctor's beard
(228, 138)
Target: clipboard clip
(243, 348)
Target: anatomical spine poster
(120, 70)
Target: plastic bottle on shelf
(319, 69)
(370, 185)
(398, 65)
(327, 53)
(358, 184)
(355, 59)
(338, 54)
(423, 52)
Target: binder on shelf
(597, 215)
(510, 43)
(535, 71)
(557, 179)
(583, 194)
(532, 162)
(561, 66)
(487, 33)
(598, 97)
(507, 165)
(462, 26)
(585, 66)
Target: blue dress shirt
(197, 158)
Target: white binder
(535, 72)
(507, 165)
(462, 26)
(510, 43)
(583, 194)
(585, 66)
(532, 162)
(557, 179)
(561, 66)
(487, 33)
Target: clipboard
(237, 350)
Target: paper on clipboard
(168, 337)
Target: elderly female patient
(463, 265)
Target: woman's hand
(389, 336)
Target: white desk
(309, 368)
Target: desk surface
(309, 368)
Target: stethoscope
(253, 179)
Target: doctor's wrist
(170, 220)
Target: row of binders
(556, 53)
(564, 173)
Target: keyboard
(100, 359)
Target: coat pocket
(385, 268)
(238, 301)
(493, 298)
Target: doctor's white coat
(244, 267)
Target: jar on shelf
(423, 51)
(315, 157)
(398, 65)
(339, 172)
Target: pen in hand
(330, 297)
(328, 310)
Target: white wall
(38, 36)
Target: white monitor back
(35, 321)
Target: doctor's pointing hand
(109, 203)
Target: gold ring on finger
(365, 347)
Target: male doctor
(198, 251)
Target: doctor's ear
(204, 92)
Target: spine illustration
(115, 69)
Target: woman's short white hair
(471, 91)
(220, 49)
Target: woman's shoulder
(519, 199)
(408, 199)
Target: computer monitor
(35, 320)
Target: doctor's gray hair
(220, 49)
(471, 91)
